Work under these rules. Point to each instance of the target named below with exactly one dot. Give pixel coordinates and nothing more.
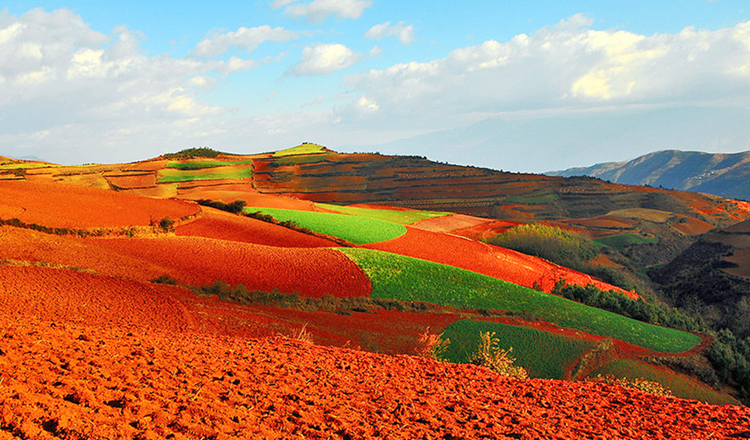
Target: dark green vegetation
(235, 207)
(190, 153)
(354, 229)
(720, 174)
(542, 354)
(730, 357)
(645, 311)
(410, 279)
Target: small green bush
(490, 355)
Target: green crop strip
(300, 149)
(410, 279)
(389, 215)
(356, 230)
(177, 175)
(542, 354)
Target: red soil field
(68, 381)
(149, 165)
(494, 261)
(199, 261)
(50, 294)
(692, 226)
(225, 226)
(71, 206)
(132, 180)
(739, 228)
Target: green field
(410, 279)
(542, 354)
(680, 385)
(356, 230)
(389, 215)
(205, 164)
(619, 242)
(176, 175)
(300, 149)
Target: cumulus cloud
(405, 34)
(324, 59)
(247, 38)
(319, 10)
(62, 79)
(567, 65)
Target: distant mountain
(725, 175)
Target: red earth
(60, 380)
(71, 206)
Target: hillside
(724, 175)
(156, 251)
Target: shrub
(432, 346)
(165, 279)
(563, 247)
(490, 355)
(166, 224)
(234, 207)
(190, 153)
(638, 384)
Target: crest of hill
(724, 175)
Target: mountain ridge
(721, 174)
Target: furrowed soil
(61, 380)
(71, 206)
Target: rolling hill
(152, 306)
(724, 175)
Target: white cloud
(97, 94)
(324, 59)
(375, 51)
(247, 38)
(405, 34)
(566, 66)
(319, 10)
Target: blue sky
(521, 86)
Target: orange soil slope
(66, 381)
(494, 261)
(71, 206)
(87, 298)
(194, 260)
(200, 261)
(225, 226)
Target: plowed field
(200, 261)
(70, 206)
(494, 261)
(65, 381)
